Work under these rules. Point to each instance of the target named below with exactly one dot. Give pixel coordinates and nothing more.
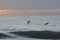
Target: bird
(46, 23)
(28, 22)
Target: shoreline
(38, 34)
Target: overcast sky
(29, 4)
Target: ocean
(19, 23)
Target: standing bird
(46, 23)
(28, 22)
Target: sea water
(19, 23)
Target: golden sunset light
(22, 12)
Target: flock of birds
(28, 22)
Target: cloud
(28, 12)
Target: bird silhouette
(28, 22)
(46, 23)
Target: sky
(29, 7)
